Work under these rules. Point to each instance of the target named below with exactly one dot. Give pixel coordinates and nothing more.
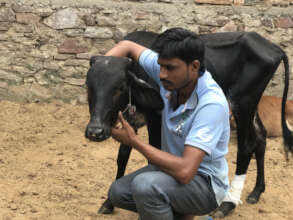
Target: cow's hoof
(254, 196)
(106, 208)
(224, 209)
(252, 199)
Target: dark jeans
(156, 195)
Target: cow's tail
(287, 134)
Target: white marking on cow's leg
(289, 125)
(257, 127)
(236, 187)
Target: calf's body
(269, 110)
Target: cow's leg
(123, 156)
(251, 139)
(259, 188)
(154, 129)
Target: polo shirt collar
(191, 102)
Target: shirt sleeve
(149, 61)
(207, 127)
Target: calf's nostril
(95, 131)
(98, 131)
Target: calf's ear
(145, 94)
(93, 60)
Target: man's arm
(126, 48)
(181, 168)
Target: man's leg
(120, 192)
(159, 196)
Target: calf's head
(108, 83)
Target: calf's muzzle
(96, 132)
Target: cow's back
(144, 38)
(245, 53)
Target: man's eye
(122, 88)
(170, 68)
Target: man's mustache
(165, 81)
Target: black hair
(180, 43)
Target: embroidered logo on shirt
(178, 130)
(184, 116)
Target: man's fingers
(118, 124)
(121, 118)
(115, 131)
(123, 121)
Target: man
(189, 176)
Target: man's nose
(163, 73)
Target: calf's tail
(287, 134)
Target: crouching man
(189, 175)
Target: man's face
(176, 74)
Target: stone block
(90, 20)
(84, 56)
(215, 2)
(5, 75)
(229, 27)
(63, 19)
(238, 2)
(72, 46)
(4, 26)
(284, 22)
(30, 92)
(281, 2)
(252, 2)
(63, 57)
(40, 91)
(74, 32)
(75, 62)
(3, 85)
(6, 14)
(75, 82)
(98, 32)
(27, 18)
(69, 92)
(22, 8)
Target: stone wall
(45, 45)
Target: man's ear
(145, 94)
(195, 65)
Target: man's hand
(125, 134)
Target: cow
(269, 110)
(242, 63)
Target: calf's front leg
(122, 160)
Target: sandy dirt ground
(48, 170)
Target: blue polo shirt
(202, 122)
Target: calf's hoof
(224, 209)
(106, 208)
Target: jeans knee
(115, 194)
(143, 186)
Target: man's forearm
(171, 164)
(120, 50)
(126, 48)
